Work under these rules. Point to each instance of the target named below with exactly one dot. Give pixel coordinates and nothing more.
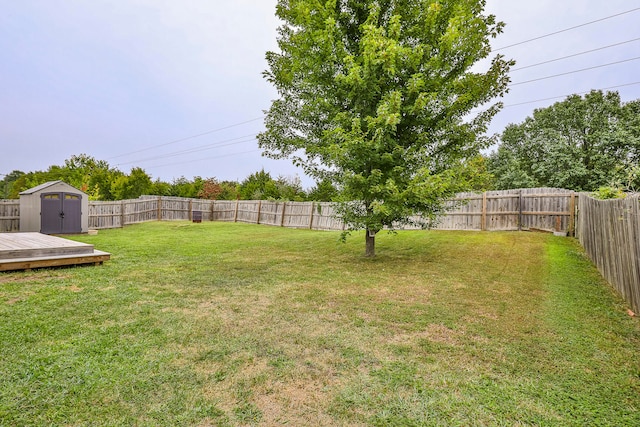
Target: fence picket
(609, 232)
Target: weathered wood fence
(115, 214)
(609, 230)
(9, 215)
(316, 216)
(548, 209)
(541, 208)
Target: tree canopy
(580, 143)
(102, 182)
(376, 96)
(260, 186)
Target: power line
(566, 29)
(217, 144)
(186, 152)
(564, 96)
(200, 148)
(207, 158)
(574, 71)
(225, 143)
(187, 138)
(575, 54)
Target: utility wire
(186, 138)
(564, 96)
(201, 147)
(566, 29)
(575, 54)
(225, 143)
(207, 158)
(574, 71)
(561, 96)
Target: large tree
(132, 186)
(581, 143)
(376, 96)
(7, 183)
(90, 175)
(81, 171)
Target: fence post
(190, 216)
(122, 205)
(235, 215)
(284, 207)
(311, 217)
(572, 215)
(520, 210)
(259, 209)
(159, 214)
(213, 204)
(483, 225)
(635, 247)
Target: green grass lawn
(235, 324)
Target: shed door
(72, 213)
(60, 213)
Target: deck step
(96, 257)
(36, 245)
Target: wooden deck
(24, 251)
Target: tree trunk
(370, 243)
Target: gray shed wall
(31, 206)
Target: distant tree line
(103, 182)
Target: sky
(176, 87)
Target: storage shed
(54, 207)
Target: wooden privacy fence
(548, 209)
(312, 215)
(9, 215)
(115, 214)
(540, 208)
(609, 231)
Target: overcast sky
(136, 82)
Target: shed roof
(47, 185)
